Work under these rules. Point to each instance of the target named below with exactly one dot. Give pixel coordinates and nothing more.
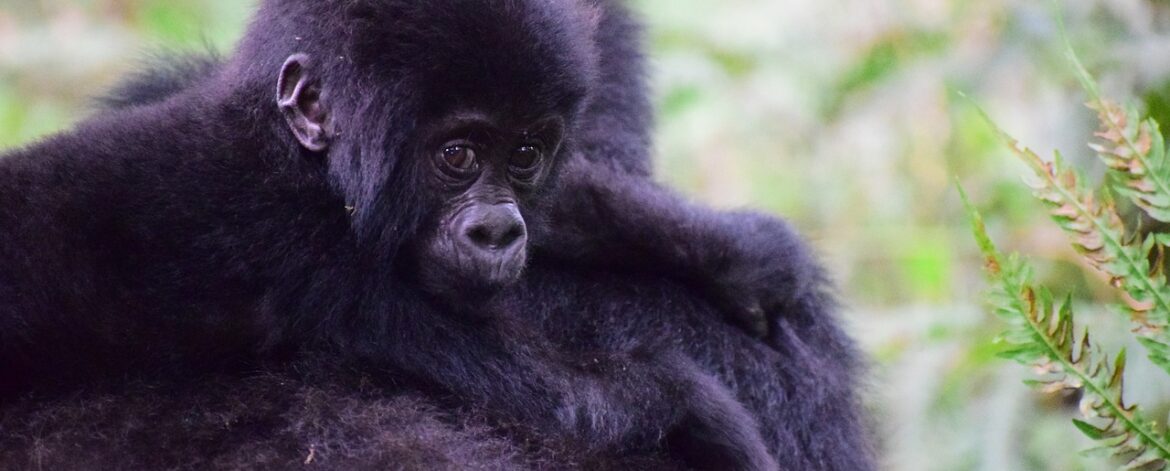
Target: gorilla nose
(495, 227)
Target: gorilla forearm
(754, 266)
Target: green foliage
(1133, 149)
(1041, 333)
(1097, 233)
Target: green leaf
(1089, 430)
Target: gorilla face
(489, 172)
(473, 123)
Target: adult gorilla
(242, 211)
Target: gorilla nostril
(480, 235)
(497, 237)
(509, 237)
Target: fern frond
(1098, 234)
(1132, 148)
(1041, 334)
(1135, 153)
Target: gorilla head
(441, 121)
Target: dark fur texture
(161, 77)
(800, 393)
(199, 238)
(277, 420)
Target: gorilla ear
(298, 93)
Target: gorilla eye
(526, 158)
(460, 157)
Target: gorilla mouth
(502, 269)
(454, 268)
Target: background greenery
(839, 114)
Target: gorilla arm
(754, 266)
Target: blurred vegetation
(1127, 246)
(841, 115)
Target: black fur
(162, 77)
(800, 394)
(195, 244)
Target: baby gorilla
(800, 390)
(401, 174)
